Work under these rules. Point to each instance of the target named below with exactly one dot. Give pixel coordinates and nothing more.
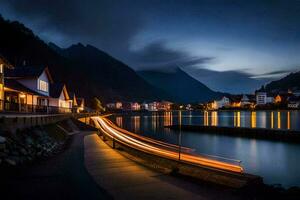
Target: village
(260, 100)
(31, 89)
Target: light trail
(146, 139)
(159, 148)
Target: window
(1, 68)
(42, 85)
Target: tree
(97, 105)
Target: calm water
(277, 162)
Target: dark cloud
(107, 24)
(235, 82)
(114, 26)
(158, 56)
(275, 73)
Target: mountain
(86, 70)
(108, 75)
(181, 86)
(291, 81)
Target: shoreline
(291, 136)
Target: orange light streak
(159, 148)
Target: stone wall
(12, 123)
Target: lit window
(43, 86)
(1, 68)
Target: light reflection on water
(277, 162)
(254, 119)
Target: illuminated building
(153, 106)
(31, 89)
(261, 98)
(278, 99)
(164, 105)
(115, 106)
(59, 97)
(135, 106)
(223, 103)
(294, 102)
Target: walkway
(125, 179)
(61, 177)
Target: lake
(277, 162)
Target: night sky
(232, 46)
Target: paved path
(125, 179)
(61, 177)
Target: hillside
(114, 78)
(181, 86)
(291, 81)
(85, 69)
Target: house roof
(15, 85)
(56, 89)
(28, 72)
(74, 98)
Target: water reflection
(278, 120)
(214, 118)
(119, 121)
(277, 162)
(179, 117)
(237, 119)
(286, 120)
(206, 122)
(253, 119)
(154, 120)
(272, 120)
(136, 123)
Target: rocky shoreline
(31, 144)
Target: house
(212, 105)
(135, 106)
(261, 98)
(114, 106)
(153, 106)
(248, 101)
(111, 106)
(294, 102)
(19, 98)
(131, 106)
(164, 105)
(144, 106)
(235, 101)
(3, 64)
(223, 102)
(245, 101)
(59, 100)
(27, 87)
(75, 105)
(188, 107)
(278, 99)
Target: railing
(26, 108)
